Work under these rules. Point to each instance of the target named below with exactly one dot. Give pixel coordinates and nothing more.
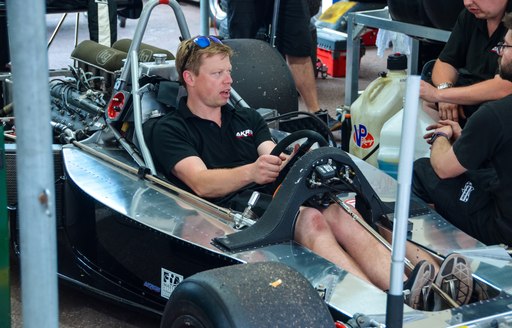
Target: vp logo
(362, 137)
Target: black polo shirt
(181, 134)
(491, 127)
(469, 48)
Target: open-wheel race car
(127, 234)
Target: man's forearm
(477, 93)
(221, 182)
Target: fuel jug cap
(397, 61)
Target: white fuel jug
(390, 138)
(383, 98)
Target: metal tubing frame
(141, 28)
(380, 19)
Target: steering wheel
(311, 136)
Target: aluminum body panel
(179, 216)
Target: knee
(310, 223)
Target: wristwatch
(444, 85)
(435, 135)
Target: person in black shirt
(454, 179)
(465, 74)
(219, 153)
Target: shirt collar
(227, 110)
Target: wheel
(311, 137)
(261, 76)
(217, 12)
(266, 294)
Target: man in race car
(455, 178)
(217, 152)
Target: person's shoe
(417, 287)
(331, 122)
(455, 279)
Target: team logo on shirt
(244, 134)
(466, 192)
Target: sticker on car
(169, 282)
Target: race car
(127, 234)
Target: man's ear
(188, 77)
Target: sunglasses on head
(202, 42)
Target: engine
(76, 106)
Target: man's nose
(228, 78)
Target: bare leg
(370, 255)
(304, 77)
(313, 232)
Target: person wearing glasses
(222, 154)
(448, 180)
(465, 74)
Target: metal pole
(34, 164)
(204, 10)
(395, 299)
(57, 29)
(275, 19)
(5, 292)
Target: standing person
(453, 178)
(102, 19)
(465, 74)
(247, 18)
(220, 153)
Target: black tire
(409, 11)
(443, 13)
(217, 12)
(261, 76)
(266, 294)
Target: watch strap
(437, 135)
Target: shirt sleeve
(174, 143)
(261, 130)
(478, 140)
(454, 52)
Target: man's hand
(266, 169)
(428, 92)
(450, 128)
(450, 112)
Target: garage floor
(76, 308)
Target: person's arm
(442, 157)
(443, 73)
(492, 89)
(212, 183)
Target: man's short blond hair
(190, 55)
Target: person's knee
(310, 222)
(422, 175)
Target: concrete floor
(78, 309)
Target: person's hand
(450, 112)
(451, 128)
(454, 128)
(266, 169)
(428, 92)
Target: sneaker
(332, 123)
(417, 287)
(455, 279)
